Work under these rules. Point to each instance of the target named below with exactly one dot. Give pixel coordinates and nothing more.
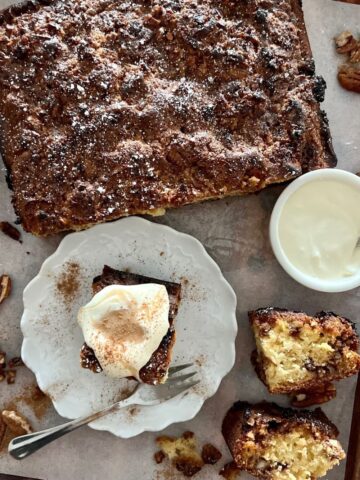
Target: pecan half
(345, 42)
(16, 422)
(355, 54)
(349, 77)
(5, 287)
(10, 231)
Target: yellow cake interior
(285, 355)
(296, 455)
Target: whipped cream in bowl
(124, 325)
(315, 230)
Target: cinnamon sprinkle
(68, 284)
(34, 398)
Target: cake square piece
(156, 369)
(274, 443)
(299, 353)
(110, 109)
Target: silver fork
(21, 447)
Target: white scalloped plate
(206, 323)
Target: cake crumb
(210, 454)
(182, 452)
(159, 456)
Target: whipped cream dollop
(124, 325)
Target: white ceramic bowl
(338, 285)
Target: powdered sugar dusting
(127, 107)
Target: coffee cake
(110, 109)
(274, 443)
(156, 369)
(297, 353)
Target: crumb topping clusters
(109, 108)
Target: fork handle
(25, 445)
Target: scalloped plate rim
(65, 247)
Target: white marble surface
(235, 234)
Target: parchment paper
(235, 233)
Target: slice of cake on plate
(129, 326)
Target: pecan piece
(349, 77)
(88, 359)
(355, 54)
(5, 287)
(322, 394)
(10, 231)
(210, 454)
(16, 362)
(187, 468)
(10, 376)
(345, 42)
(2, 360)
(16, 422)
